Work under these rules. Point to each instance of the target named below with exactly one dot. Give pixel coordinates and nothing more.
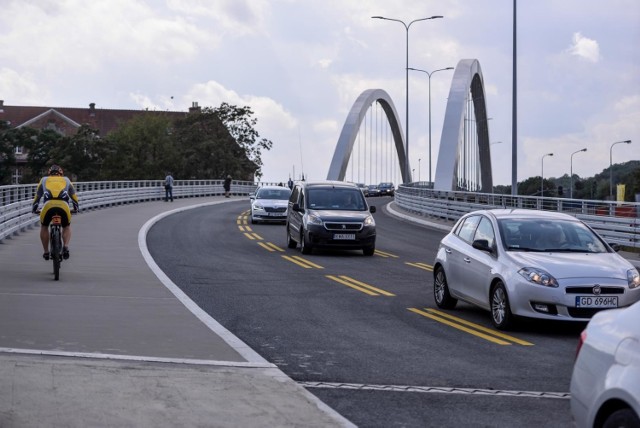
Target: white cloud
(585, 48)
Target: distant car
(387, 189)
(373, 190)
(605, 383)
(364, 188)
(269, 204)
(528, 263)
(330, 214)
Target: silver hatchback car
(528, 263)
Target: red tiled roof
(104, 120)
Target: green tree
(241, 126)
(9, 140)
(40, 146)
(80, 154)
(208, 150)
(141, 149)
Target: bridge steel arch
(467, 81)
(341, 155)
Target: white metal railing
(616, 222)
(16, 201)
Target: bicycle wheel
(56, 250)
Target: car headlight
(538, 276)
(369, 221)
(258, 207)
(633, 277)
(314, 219)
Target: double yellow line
(360, 286)
(469, 327)
(300, 261)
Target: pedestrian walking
(227, 186)
(168, 187)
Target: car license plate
(596, 301)
(275, 214)
(344, 236)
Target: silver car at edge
(269, 204)
(529, 263)
(605, 383)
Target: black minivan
(330, 214)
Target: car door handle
(467, 260)
(447, 250)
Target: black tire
(56, 252)
(253, 221)
(441, 290)
(501, 315)
(625, 418)
(290, 242)
(305, 246)
(369, 251)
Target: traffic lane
(314, 328)
(384, 409)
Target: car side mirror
(482, 245)
(296, 207)
(614, 247)
(372, 209)
(252, 196)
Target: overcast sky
(301, 64)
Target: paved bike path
(116, 343)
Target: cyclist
(56, 191)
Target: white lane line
(242, 348)
(139, 358)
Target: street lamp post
(419, 169)
(429, 74)
(406, 26)
(542, 176)
(571, 189)
(611, 166)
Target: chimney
(194, 107)
(92, 109)
(1, 106)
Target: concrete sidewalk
(115, 343)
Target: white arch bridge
(372, 143)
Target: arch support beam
(351, 127)
(467, 81)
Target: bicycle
(55, 243)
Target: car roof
(328, 183)
(500, 213)
(273, 188)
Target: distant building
(67, 120)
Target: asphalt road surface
(363, 333)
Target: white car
(529, 263)
(269, 204)
(605, 384)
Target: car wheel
(290, 242)
(622, 418)
(441, 290)
(369, 251)
(501, 315)
(253, 221)
(305, 246)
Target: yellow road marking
(302, 262)
(253, 236)
(420, 266)
(384, 254)
(355, 287)
(479, 327)
(459, 327)
(241, 228)
(270, 246)
(360, 286)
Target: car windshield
(385, 185)
(336, 199)
(544, 235)
(282, 194)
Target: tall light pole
(406, 26)
(611, 166)
(419, 159)
(571, 190)
(542, 175)
(429, 74)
